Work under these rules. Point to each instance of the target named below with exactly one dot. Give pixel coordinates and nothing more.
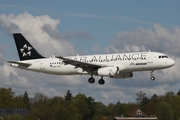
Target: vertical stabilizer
(25, 50)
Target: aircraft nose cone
(171, 62)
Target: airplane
(119, 65)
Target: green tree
(98, 117)
(6, 96)
(164, 111)
(13, 117)
(74, 111)
(169, 97)
(83, 108)
(178, 93)
(119, 109)
(152, 105)
(26, 100)
(81, 102)
(176, 107)
(101, 109)
(91, 106)
(140, 96)
(61, 113)
(128, 108)
(144, 104)
(154, 97)
(68, 95)
(110, 109)
(17, 102)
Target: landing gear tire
(91, 80)
(101, 81)
(152, 78)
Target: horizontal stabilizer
(20, 63)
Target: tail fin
(25, 49)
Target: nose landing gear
(152, 76)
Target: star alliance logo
(26, 50)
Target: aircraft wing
(19, 63)
(84, 65)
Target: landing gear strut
(101, 81)
(152, 76)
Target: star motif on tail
(26, 50)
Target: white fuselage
(131, 62)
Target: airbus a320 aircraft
(120, 65)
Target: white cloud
(34, 29)
(156, 39)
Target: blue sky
(91, 27)
(101, 19)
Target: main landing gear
(101, 81)
(92, 80)
(152, 76)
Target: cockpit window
(163, 56)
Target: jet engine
(107, 71)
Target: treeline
(81, 107)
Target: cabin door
(150, 57)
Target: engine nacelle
(110, 71)
(107, 71)
(123, 75)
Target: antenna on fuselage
(52, 56)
